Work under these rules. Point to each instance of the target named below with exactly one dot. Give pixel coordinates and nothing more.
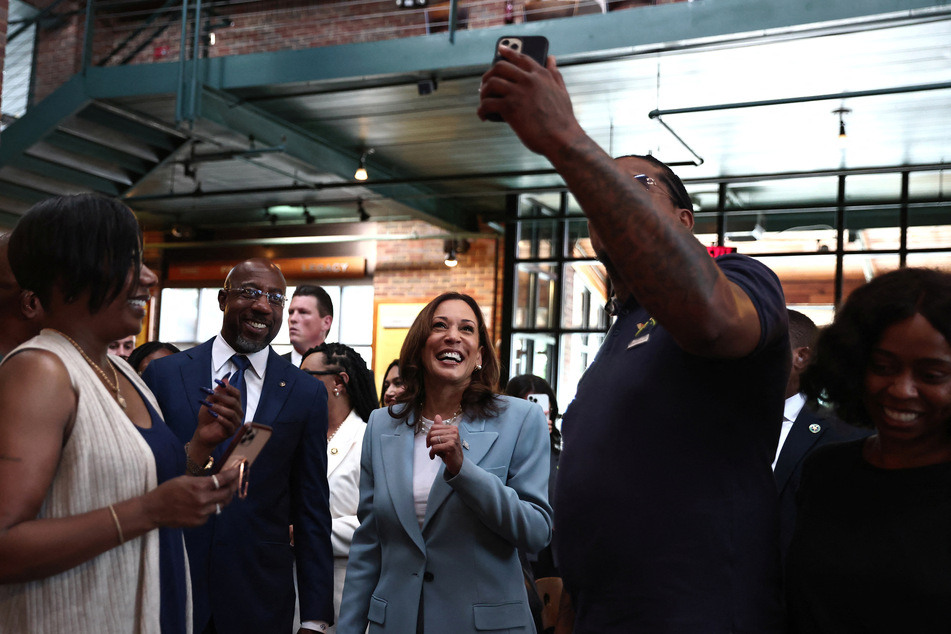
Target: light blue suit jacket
(463, 562)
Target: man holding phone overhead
(666, 438)
(241, 560)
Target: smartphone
(542, 401)
(535, 46)
(244, 448)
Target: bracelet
(193, 467)
(115, 518)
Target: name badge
(636, 341)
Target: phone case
(245, 446)
(535, 46)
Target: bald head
(250, 323)
(19, 311)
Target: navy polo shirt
(666, 515)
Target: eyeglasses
(322, 372)
(651, 185)
(254, 294)
(648, 182)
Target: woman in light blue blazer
(454, 479)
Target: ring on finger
(214, 479)
(217, 509)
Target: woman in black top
(872, 546)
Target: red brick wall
(413, 270)
(258, 26)
(59, 49)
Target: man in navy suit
(242, 561)
(803, 429)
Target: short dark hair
(79, 243)
(844, 348)
(678, 192)
(479, 398)
(802, 330)
(324, 305)
(360, 388)
(137, 356)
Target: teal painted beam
(574, 40)
(41, 120)
(270, 130)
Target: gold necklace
(119, 399)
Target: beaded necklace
(119, 399)
(420, 426)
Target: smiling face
(250, 325)
(452, 349)
(908, 384)
(123, 316)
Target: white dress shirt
(221, 366)
(794, 405)
(424, 471)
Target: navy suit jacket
(809, 432)
(241, 561)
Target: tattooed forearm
(657, 258)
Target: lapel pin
(283, 383)
(465, 445)
(814, 428)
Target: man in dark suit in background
(309, 318)
(241, 561)
(804, 430)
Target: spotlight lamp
(361, 173)
(452, 248)
(451, 260)
(361, 212)
(842, 112)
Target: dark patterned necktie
(242, 363)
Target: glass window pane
(355, 314)
(334, 292)
(533, 354)
(929, 185)
(534, 295)
(806, 279)
(940, 261)
(209, 315)
(577, 352)
(579, 242)
(859, 269)
(178, 315)
(864, 188)
(538, 238)
(585, 294)
(538, 205)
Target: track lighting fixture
(452, 248)
(842, 112)
(451, 260)
(361, 173)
